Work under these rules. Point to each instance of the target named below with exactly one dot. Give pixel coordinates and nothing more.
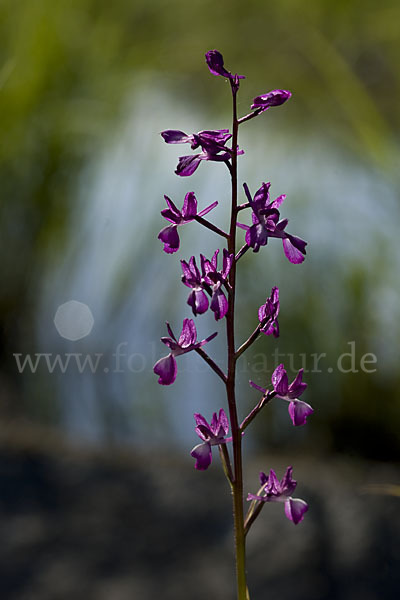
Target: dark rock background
(86, 524)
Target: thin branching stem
(212, 227)
(211, 364)
(249, 341)
(259, 406)
(250, 116)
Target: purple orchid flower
(212, 434)
(298, 410)
(274, 490)
(212, 143)
(211, 280)
(274, 98)
(215, 62)
(166, 367)
(268, 314)
(216, 279)
(192, 278)
(169, 235)
(266, 224)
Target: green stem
(237, 484)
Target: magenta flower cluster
(212, 287)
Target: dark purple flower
(217, 279)
(215, 62)
(274, 98)
(298, 410)
(210, 280)
(268, 314)
(273, 490)
(266, 224)
(212, 434)
(166, 368)
(212, 142)
(188, 164)
(169, 235)
(192, 278)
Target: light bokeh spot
(73, 320)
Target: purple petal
(202, 427)
(219, 304)
(172, 345)
(189, 210)
(295, 509)
(214, 260)
(299, 411)
(203, 455)
(297, 387)
(256, 236)
(242, 226)
(288, 484)
(174, 136)
(194, 270)
(187, 278)
(282, 225)
(298, 243)
(263, 478)
(226, 263)
(223, 421)
(210, 337)
(294, 249)
(187, 165)
(207, 210)
(166, 369)
(170, 238)
(188, 335)
(213, 141)
(280, 380)
(198, 301)
(257, 387)
(273, 98)
(278, 201)
(215, 62)
(172, 213)
(255, 497)
(217, 135)
(261, 197)
(273, 487)
(214, 424)
(271, 328)
(171, 217)
(171, 333)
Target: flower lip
(166, 367)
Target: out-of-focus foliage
(67, 68)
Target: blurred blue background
(85, 89)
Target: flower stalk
(237, 486)
(215, 289)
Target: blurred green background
(85, 88)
